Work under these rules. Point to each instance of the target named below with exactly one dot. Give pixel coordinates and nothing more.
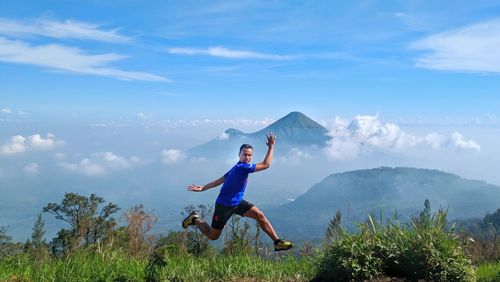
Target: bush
(489, 272)
(423, 249)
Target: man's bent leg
(259, 216)
(211, 233)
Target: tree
(7, 247)
(87, 224)
(37, 246)
(491, 223)
(4, 241)
(197, 243)
(257, 241)
(175, 242)
(139, 223)
(238, 239)
(38, 232)
(334, 229)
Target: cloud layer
(70, 59)
(101, 163)
(471, 48)
(350, 138)
(172, 156)
(56, 56)
(223, 52)
(60, 29)
(32, 168)
(20, 144)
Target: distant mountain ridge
(292, 130)
(298, 129)
(383, 190)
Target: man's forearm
(213, 184)
(269, 156)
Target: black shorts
(223, 213)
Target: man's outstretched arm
(271, 139)
(197, 188)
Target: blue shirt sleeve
(251, 168)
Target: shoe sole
(277, 250)
(187, 221)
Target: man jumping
(230, 200)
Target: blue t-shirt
(235, 182)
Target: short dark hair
(245, 146)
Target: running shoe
(282, 245)
(190, 220)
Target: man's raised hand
(195, 188)
(271, 139)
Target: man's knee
(214, 235)
(260, 216)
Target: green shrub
(489, 272)
(423, 249)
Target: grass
(488, 272)
(114, 266)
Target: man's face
(246, 155)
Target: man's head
(246, 153)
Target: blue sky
(251, 59)
(108, 97)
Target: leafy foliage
(87, 224)
(37, 247)
(424, 249)
(7, 247)
(489, 272)
(482, 236)
(197, 243)
(139, 224)
(238, 240)
(155, 263)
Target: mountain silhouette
(295, 130)
(298, 129)
(382, 192)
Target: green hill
(382, 190)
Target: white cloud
(70, 59)
(460, 143)
(471, 48)
(60, 156)
(223, 136)
(342, 148)
(32, 168)
(37, 142)
(351, 138)
(295, 155)
(148, 121)
(6, 111)
(172, 156)
(197, 160)
(19, 144)
(223, 52)
(101, 164)
(435, 141)
(144, 116)
(16, 145)
(60, 29)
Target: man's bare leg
(211, 233)
(259, 216)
